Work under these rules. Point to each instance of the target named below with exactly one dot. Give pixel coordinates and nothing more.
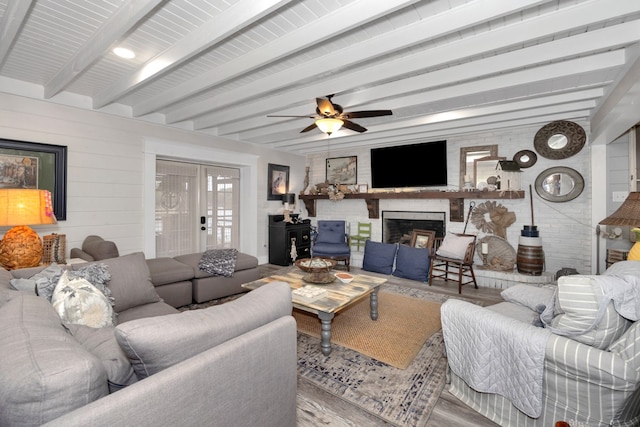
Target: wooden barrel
(530, 260)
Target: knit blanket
(219, 262)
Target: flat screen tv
(414, 165)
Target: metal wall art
(559, 140)
(525, 158)
(559, 184)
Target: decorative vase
(634, 253)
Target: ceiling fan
(330, 117)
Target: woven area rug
(401, 397)
(403, 326)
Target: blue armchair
(332, 242)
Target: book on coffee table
(309, 293)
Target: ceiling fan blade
(325, 107)
(369, 113)
(301, 117)
(308, 128)
(353, 126)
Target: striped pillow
(579, 297)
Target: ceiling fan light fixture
(329, 125)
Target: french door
(197, 207)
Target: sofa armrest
(573, 361)
(249, 380)
(79, 253)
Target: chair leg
(473, 276)
(348, 261)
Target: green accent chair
(364, 234)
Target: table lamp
(21, 247)
(628, 215)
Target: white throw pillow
(79, 302)
(454, 246)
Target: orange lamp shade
(21, 247)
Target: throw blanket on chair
(493, 353)
(219, 262)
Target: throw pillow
(130, 282)
(156, 343)
(42, 283)
(79, 302)
(529, 296)
(102, 344)
(454, 246)
(379, 257)
(412, 263)
(219, 262)
(98, 275)
(579, 299)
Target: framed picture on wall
(342, 170)
(34, 165)
(277, 181)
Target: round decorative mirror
(559, 184)
(559, 140)
(525, 158)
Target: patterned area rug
(400, 397)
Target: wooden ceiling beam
(14, 16)
(240, 15)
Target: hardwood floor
(318, 408)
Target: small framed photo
(342, 170)
(423, 239)
(277, 181)
(363, 188)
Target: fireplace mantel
(456, 199)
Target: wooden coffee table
(339, 296)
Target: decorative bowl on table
(318, 269)
(344, 277)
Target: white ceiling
(444, 67)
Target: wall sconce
(21, 247)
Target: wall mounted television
(414, 165)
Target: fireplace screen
(397, 226)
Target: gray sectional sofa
(179, 281)
(156, 367)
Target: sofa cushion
(168, 270)
(579, 297)
(45, 372)
(79, 302)
(412, 263)
(454, 246)
(154, 344)
(243, 262)
(102, 344)
(379, 257)
(130, 282)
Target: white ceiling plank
(240, 15)
(454, 20)
(119, 24)
(331, 25)
(571, 17)
(532, 101)
(14, 16)
(471, 70)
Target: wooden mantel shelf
(456, 199)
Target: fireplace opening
(397, 226)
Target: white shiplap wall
(565, 228)
(106, 169)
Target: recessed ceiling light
(124, 53)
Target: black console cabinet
(283, 234)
